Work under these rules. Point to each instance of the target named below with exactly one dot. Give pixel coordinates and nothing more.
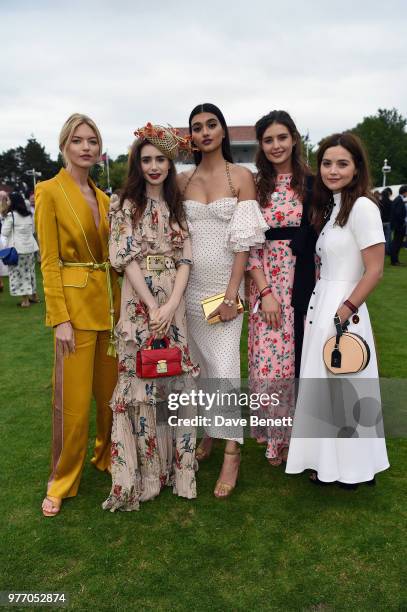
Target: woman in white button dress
(338, 430)
(224, 221)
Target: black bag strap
(340, 328)
(336, 356)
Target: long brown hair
(134, 188)
(266, 173)
(359, 186)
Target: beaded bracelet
(229, 303)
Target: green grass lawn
(278, 543)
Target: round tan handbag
(347, 352)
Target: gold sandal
(224, 489)
(56, 502)
(202, 453)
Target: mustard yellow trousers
(86, 372)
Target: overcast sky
(125, 63)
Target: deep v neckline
(97, 227)
(77, 187)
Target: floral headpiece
(167, 139)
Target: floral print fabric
(271, 353)
(147, 453)
(22, 276)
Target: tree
(309, 153)
(15, 163)
(10, 167)
(117, 173)
(34, 157)
(384, 136)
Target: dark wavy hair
(207, 107)
(359, 186)
(17, 204)
(134, 188)
(266, 173)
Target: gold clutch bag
(211, 303)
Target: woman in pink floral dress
(150, 244)
(283, 276)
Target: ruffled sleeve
(246, 228)
(124, 239)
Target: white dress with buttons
(343, 444)
(218, 230)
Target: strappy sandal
(275, 461)
(224, 489)
(56, 503)
(203, 451)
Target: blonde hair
(68, 129)
(4, 203)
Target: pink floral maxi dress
(147, 453)
(271, 353)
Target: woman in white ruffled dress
(224, 221)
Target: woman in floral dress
(150, 244)
(283, 275)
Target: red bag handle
(150, 341)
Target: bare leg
(230, 470)
(204, 449)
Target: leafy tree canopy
(17, 164)
(384, 136)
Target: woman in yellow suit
(82, 297)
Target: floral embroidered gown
(147, 453)
(271, 353)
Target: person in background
(385, 212)
(17, 231)
(4, 205)
(32, 203)
(398, 225)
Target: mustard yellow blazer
(67, 233)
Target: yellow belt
(111, 350)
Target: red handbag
(156, 363)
